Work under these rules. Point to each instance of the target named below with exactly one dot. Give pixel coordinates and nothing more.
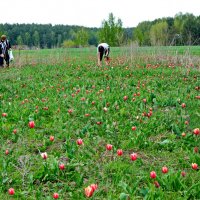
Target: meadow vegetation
(72, 130)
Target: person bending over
(103, 49)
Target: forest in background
(183, 29)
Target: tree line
(183, 29)
(49, 36)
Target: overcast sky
(91, 13)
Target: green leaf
(123, 196)
(144, 191)
(167, 141)
(123, 185)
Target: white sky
(91, 13)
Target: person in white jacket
(103, 49)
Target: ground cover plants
(72, 130)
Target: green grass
(45, 93)
(181, 55)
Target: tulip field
(72, 130)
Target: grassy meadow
(71, 130)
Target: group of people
(103, 49)
(5, 47)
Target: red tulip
(31, 124)
(196, 149)
(15, 131)
(89, 191)
(133, 156)
(133, 128)
(109, 147)
(44, 155)
(119, 152)
(183, 105)
(197, 97)
(79, 141)
(194, 166)
(144, 100)
(70, 111)
(4, 114)
(94, 186)
(125, 98)
(164, 170)
(153, 174)
(196, 131)
(157, 184)
(51, 138)
(11, 191)
(62, 166)
(183, 174)
(7, 152)
(55, 195)
(183, 134)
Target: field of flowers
(73, 130)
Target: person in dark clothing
(5, 47)
(103, 49)
(1, 55)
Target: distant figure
(4, 48)
(103, 49)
